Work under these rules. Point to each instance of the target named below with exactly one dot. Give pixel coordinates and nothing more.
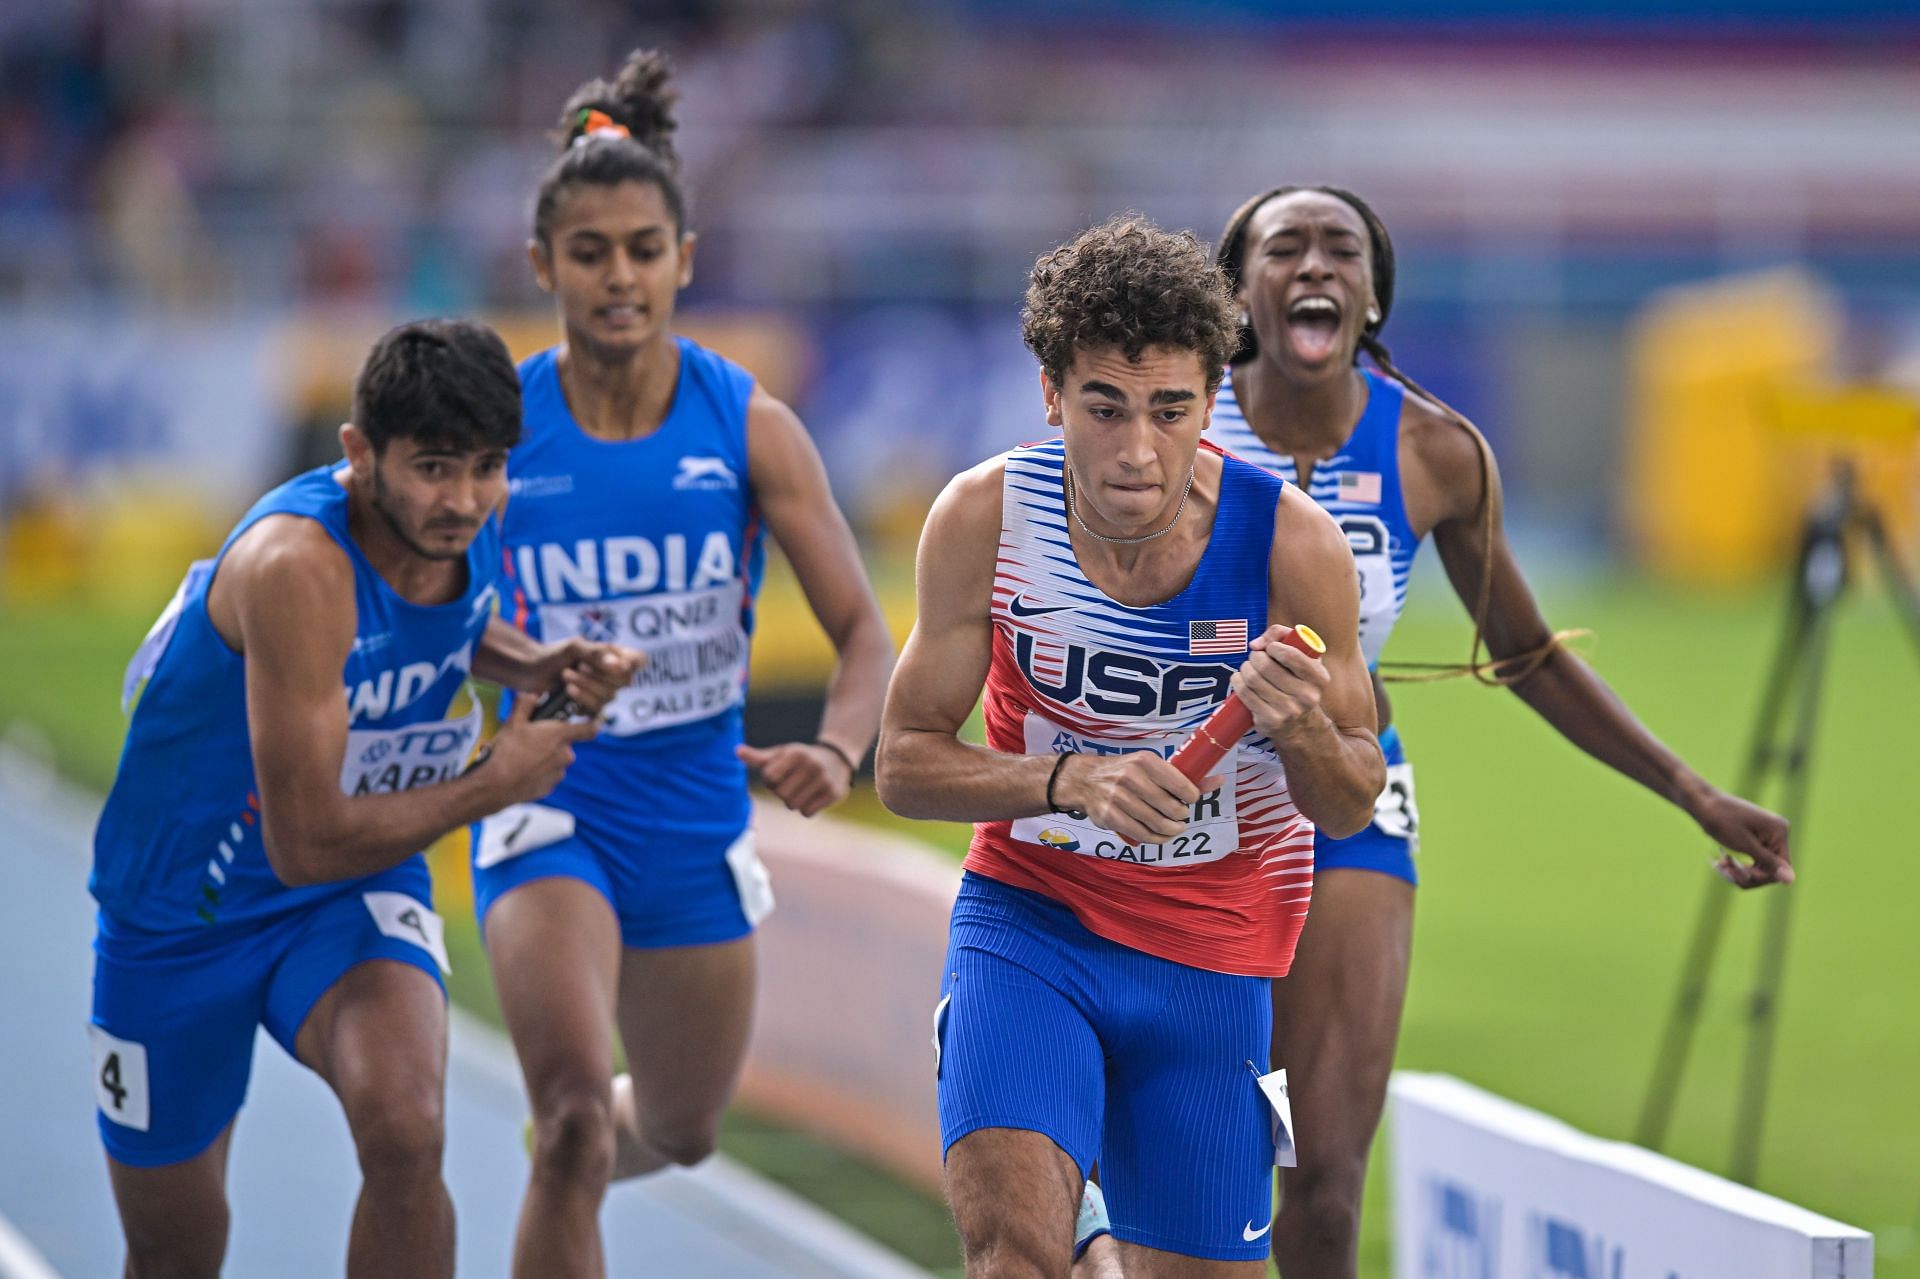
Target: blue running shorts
(1388, 845)
(1146, 1065)
(174, 1014)
(666, 888)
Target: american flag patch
(1359, 486)
(1204, 638)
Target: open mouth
(1314, 325)
(621, 314)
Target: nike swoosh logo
(1248, 1233)
(1019, 607)
(514, 834)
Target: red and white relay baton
(1230, 720)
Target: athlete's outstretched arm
(1565, 691)
(790, 488)
(283, 596)
(923, 768)
(1319, 714)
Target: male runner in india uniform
(303, 734)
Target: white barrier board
(1486, 1189)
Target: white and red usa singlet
(1074, 670)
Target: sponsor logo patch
(705, 473)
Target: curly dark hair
(1128, 284)
(640, 98)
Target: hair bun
(640, 99)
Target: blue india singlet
(1360, 487)
(654, 543)
(179, 841)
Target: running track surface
(292, 1177)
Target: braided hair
(1231, 256)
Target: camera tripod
(1781, 751)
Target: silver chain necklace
(1074, 510)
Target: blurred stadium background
(1669, 264)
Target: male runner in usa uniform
(301, 737)
(1106, 987)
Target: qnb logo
(599, 624)
(705, 473)
(1118, 684)
(1562, 1250)
(1461, 1233)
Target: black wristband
(1053, 777)
(853, 765)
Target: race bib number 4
(696, 652)
(400, 916)
(120, 1079)
(1213, 825)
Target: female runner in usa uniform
(649, 471)
(1313, 270)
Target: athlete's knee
(1002, 1252)
(170, 1264)
(176, 1253)
(400, 1137)
(682, 1141)
(573, 1132)
(1005, 1240)
(1320, 1208)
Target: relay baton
(556, 704)
(553, 704)
(1230, 720)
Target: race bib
(750, 879)
(380, 761)
(398, 915)
(1394, 812)
(1273, 1086)
(520, 828)
(1213, 825)
(696, 652)
(120, 1079)
(1373, 561)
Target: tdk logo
(1461, 1233)
(1562, 1250)
(1118, 684)
(705, 473)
